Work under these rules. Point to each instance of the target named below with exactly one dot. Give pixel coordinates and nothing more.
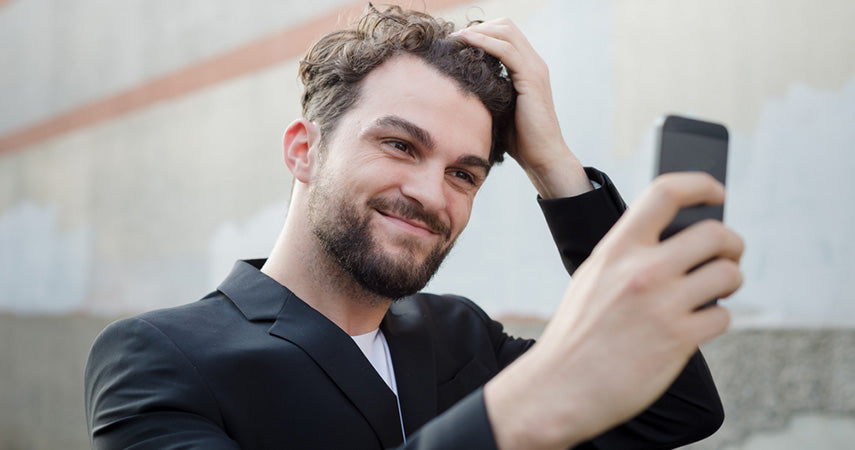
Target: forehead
(407, 87)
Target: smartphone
(692, 145)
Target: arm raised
(539, 146)
(627, 326)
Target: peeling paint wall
(149, 208)
(779, 74)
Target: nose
(426, 185)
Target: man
(326, 343)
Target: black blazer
(253, 366)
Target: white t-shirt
(374, 346)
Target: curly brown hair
(333, 68)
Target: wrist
(524, 415)
(557, 177)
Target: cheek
(361, 177)
(377, 171)
(460, 212)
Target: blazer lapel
(259, 297)
(414, 361)
(336, 353)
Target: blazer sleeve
(578, 223)
(141, 392)
(690, 409)
(464, 426)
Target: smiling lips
(409, 224)
(410, 216)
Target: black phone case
(689, 215)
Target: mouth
(410, 225)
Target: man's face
(393, 189)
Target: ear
(300, 146)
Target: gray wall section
(785, 383)
(41, 395)
(781, 388)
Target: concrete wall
(782, 389)
(140, 155)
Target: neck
(298, 263)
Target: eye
(399, 145)
(463, 175)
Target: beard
(346, 238)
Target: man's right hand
(627, 324)
(539, 147)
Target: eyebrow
(424, 138)
(416, 132)
(472, 160)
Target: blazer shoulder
(191, 321)
(460, 323)
(134, 349)
(179, 334)
(449, 305)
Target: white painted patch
(43, 269)
(253, 238)
(792, 195)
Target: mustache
(411, 210)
